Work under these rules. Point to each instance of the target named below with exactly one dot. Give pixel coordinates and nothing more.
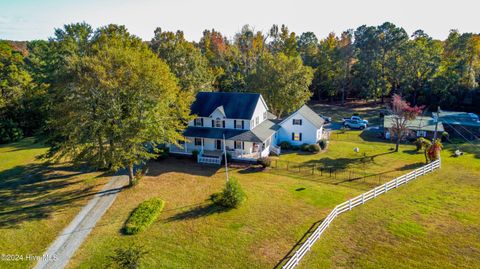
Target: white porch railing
(359, 200)
(209, 160)
(276, 150)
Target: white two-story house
(241, 125)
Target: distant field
(37, 201)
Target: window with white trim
(218, 123)
(238, 144)
(265, 115)
(198, 141)
(238, 124)
(297, 122)
(297, 136)
(198, 122)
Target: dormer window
(219, 123)
(198, 122)
(297, 122)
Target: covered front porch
(209, 149)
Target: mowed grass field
(434, 218)
(37, 200)
(433, 222)
(192, 233)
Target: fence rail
(359, 200)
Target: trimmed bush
(314, 148)
(445, 136)
(128, 257)
(232, 195)
(195, 154)
(285, 145)
(264, 162)
(304, 147)
(323, 144)
(144, 215)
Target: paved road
(70, 239)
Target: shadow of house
(181, 165)
(36, 191)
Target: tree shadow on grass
(196, 212)
(337, 164)
(35, 191)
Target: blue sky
(30, 19)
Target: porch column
(202, 144)
(185, 145)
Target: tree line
(95, 92)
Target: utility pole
(225, 154)
(436, 125)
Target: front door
(218, 144)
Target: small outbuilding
(421, 126)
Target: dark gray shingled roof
(258, 134)
(309, 115)
(235, 105)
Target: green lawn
(36, 200)
(191, 233)
(376, 163)
(433, 222)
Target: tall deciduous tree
(186, 61)
(15, 85)
(283, 81)
(402, 113)
(121, 102)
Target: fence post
(363, 198)
(350, 204)
(374, 192)
(396, 182)
(386, 187)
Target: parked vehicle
(326, 119)
(355, 118)
(355, 124)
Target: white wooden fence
(348, 205)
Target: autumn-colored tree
(402, 113)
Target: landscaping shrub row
(314, 148)
(144, 215)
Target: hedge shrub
(195, 154)
(285, 145)
(144, 215)
(232, 195)
(314, 148)
(304, 147)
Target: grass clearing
(193, 232)
(36, 200)
(433, 222)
